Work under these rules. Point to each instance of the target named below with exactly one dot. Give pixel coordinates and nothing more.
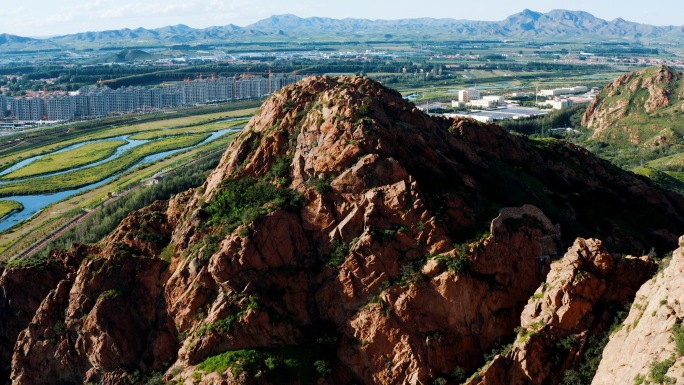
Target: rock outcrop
(578, 301)
(347, 237)
(108, 315)
(649, 346)
(627, 109)
(22, 289)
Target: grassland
(673, 162)
(86, 176)
(109, 131)
(666, 179)
(67, 160)
(203, 128)
(7, 207)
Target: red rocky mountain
(346, 237)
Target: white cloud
(6, 12)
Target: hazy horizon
(42, 18)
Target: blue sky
(56, 17)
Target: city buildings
(95, 102)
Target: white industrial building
(498, 100)
(557, 104)
(563, 91)
(479, 118)
(468, 95)
(482, 103)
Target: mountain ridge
(558, 24)
(344, 210)
(641, 107)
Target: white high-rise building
(61, 108)
(93, 102)
(28, 109)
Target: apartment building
(95, 102)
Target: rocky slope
(345, 237)
(576, 303)
(642, 108)
(649, 346)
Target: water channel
(35, 203)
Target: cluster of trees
(539, 125)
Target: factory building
(468, 95)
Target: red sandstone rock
(417, 288)
(578, 300)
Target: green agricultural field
(7, 207)
(86, 176)
(204, 128)
(67, 160)
(73, 137)
(187, 127)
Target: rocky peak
(347, 234)
(567, 316)
(621, 112)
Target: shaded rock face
(577, 301)
(393, 248)
(623, 110)
(649, 335)
(21, 292)
(107, 315)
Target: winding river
(35, 203)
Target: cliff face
(21, 292)
(641, 108)
(576, 303)
(348, 237)
(649, 345)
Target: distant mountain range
(556, 24)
